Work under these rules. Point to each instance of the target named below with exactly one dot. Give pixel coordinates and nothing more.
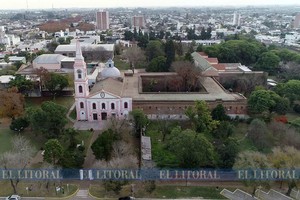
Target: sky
(44, 4)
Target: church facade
(98, 103)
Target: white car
(13, 197)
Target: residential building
(297, 21)
(138, 21)
(102, 20)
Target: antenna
(27, 4)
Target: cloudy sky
(36, 4)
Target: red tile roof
(219, 67)
(212, 60)
(203, 54)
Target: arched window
(94, 105)
(81, 105)
(79, 74)
(125, 105)
(112, 106)
(103, 105)
(80, 89)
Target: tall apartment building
(236, 19)
(102, 20)
(297, 21)
(138, 21)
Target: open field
(38, 189)
(160, 192)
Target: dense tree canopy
(11, 103)
(185, 145)
(53, 151)
(22, 83)
(50, 119)
(290, 89)
(157, 64)
(154, 49)
(236, 51)
(103, 145)
(56, 83)
(268, 62)
(200, 117)
(267, 101)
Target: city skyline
(38, 4)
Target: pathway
(82, 194)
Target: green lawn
(120, 64)
(38, 189)
(37, 101)
(86, 137)
(5, 139)
(161, 192)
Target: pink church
(105, 99)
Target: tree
(224, 130)
(24, 85)
(252, 160)
(219, 113)
(268, 61)
(258, 133)
(140, 121)
(290, 90)
(200, 117)
(135, 55)
(56, 83)
(154, 49)
(50, 118)
(227, 151)
(6, 58)
(157, 64)
(103, 145)
(286, 158)
(52, 46)
(170, 53)
(17, 158)
(266, 101)
(189, 74)
(53, 151)
(19, 124)
(11, 103)
(185, 145)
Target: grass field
(6, 136)
(37, 101)
(161, 192)
(38, 189)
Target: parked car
(126, 198)
(13, 197)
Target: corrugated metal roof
(49, 59)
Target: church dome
(110, 70)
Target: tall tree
(140, 121)
(53, 151)
(50, 119)
(170, 53)
(56, 83)
(154, 49)
(200, 117)
(17, 158)
(11, 103)
(157, 64)
(135, 55)
(252, 160)
(185, 145)
(268, 62)
(24, 85)
(189, 74)
(103, 145)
